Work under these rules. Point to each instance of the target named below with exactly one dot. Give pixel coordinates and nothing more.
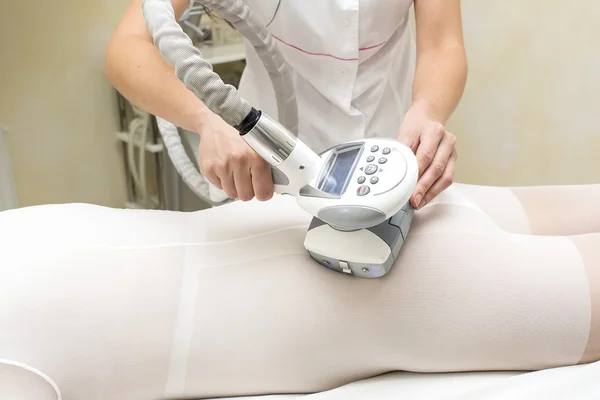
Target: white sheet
(573, 383)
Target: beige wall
(530, 110)
(55, 102)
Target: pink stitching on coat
(325, 54)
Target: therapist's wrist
(424, 109)
(201, 120)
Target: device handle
(297, 170)
(280, 180)
(293, 163)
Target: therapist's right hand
(230, 164)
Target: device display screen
(339, 171)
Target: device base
(365, 253)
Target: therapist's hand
(435, 149)
(230, 164)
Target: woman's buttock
(463, 295)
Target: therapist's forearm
(439, 81)
(136, 69)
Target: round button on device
(386, 150)
(361, 179)
(370, 158)
(399, 167)
(382, 160)
(374, 148)
(371, 169)
(363, 190)
(374, 180)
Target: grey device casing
(392, 231)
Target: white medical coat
(353, 65)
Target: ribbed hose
(176, 47)
(240, 16)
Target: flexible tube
(177, 49)
(240, 16)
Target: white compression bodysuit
(107, 304)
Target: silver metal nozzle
(271, 140)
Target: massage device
(357, 192)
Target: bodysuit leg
(124, 304)
(21, 382)
(539, 210)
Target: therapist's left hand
(435, 149)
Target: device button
(382, 160)
(371, 169)
(397, 164)
(361, 179)
(386, 150)
(374, 180)
(345, 268)
(374, 148)
(370, 158)
(363, 190)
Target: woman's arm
(439, 81)
(136, 69)
(441, 71)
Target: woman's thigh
(539, 210)
(495, 300)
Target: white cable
(133, 124)
(138, 134)
(142, 159)
(195, 28)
